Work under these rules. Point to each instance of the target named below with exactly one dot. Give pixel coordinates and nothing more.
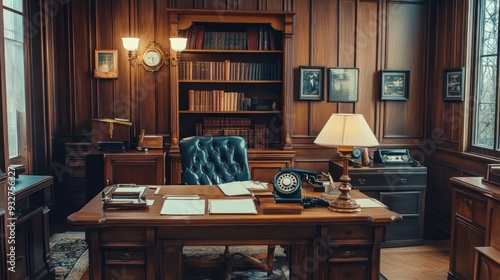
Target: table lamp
(345, 131)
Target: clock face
(152, 58)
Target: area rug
(69, 255)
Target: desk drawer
(350, 254)
(349, 271)
(471, 208)
(341, 232)
(125, 255)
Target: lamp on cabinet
(345, 131)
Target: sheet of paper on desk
(232, 206)
(369, 202)
(234, 188)
(183, 207)
(254, 185)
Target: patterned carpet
(69, 255)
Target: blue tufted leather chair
(212, 160)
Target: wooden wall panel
(405, 49)
(367, 60)
(302, 38)
(63, 125)
(324, 41)
(80, 68)
(162, 84)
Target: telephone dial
(287, 184)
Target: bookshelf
(234, 78)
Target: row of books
(252, 38)
(255, 138)
(227, 122)
(229, 71)
(216, 100)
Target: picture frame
(311, 82)
(343, 84)
(395, 85)
(453, 84)
(106, 64)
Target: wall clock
(153, 57)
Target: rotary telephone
(287, 184)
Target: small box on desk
(111, 130)
(153, 141)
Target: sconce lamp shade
(130, 44)
(178, 44)
(346, 130)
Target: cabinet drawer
(407, 229)
(471, 208)
(402, 202)
(350, 232)
(125, 255)
(388, 179)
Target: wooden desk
(321, 244)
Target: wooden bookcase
(234, 78)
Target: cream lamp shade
(178, 44)
(346, 130)
(130, 44)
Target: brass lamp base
(344, 203)
(347, 206)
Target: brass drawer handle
(349, 254)
(361, 181)
(468, 202)
(125, 256)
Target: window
(485, 129)
(15, 79)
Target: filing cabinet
(401, 189)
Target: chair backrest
(211, 160)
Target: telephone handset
(287, 184)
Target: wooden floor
(426, 262)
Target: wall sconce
(178, 45)
(131, 45)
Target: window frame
(477, 41)
(24, 138)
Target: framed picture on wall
(106, 64)
(395, 85)
(453, 84)
(343, 84)
(311, 82)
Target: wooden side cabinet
(138, 168)
(32, 196)
(487, 264)
(103, 169)
(473, 210)
(401, 188)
